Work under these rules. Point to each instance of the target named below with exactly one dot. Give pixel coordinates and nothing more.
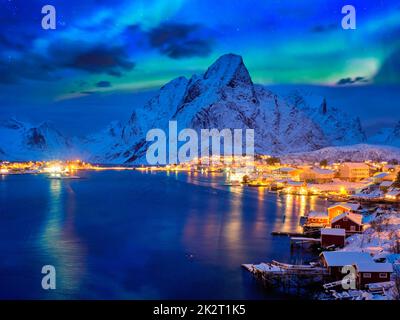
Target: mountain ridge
(224, 96)
(23, 141)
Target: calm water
(132, 235)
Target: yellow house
(354, 171)
(340, 208)
(288, 172)
(317, 220)
(318, 175)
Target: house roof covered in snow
(333, 232)
(322, 171)
(356, 218)
(386, 184)
(374, 267)
(316, 214)
(347, 205)
(380, 175)
(285, 169)
(344, 258)
(393, 193)
(295, 183)
(355, 165)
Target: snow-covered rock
(103, 144)
(387, 136)
(22, 141)
(353, 153)
(338, 127)
(225, 97)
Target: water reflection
(281, 212)
(59, 241)
(292, 207)
(150, 225)
(259, 223)
(234, 218)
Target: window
(367, 275)
(337, 226)
(383, 275)
(345, 219)
(352, 228)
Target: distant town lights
(55, 169)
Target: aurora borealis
(115, 47)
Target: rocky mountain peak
(324, 106)
(223, 97)
(229, 70)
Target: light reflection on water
(233, 232)
(271, 212)
(260, 216)
(144, 235)
(58, 240)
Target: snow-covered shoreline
(381, 239)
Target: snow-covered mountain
(101, 145)
(387, 136)
(338, 127)
(356, 153)
(225, 97)
(22, 141)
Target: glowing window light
(54, 169)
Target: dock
(287, 276)
(310, 233)
(287, 234)
(302, 241)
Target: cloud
(88, 92)
(178, 40)
(62, 55)
(13, 43)
(103, 84)
(346, 81)
(97, 59)
(115, 73)
(28, 66)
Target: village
(55, 169)
(369, 181)
(344, 239)
(360, 230)
(356, 240)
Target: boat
(233, 184)
(252, 184)
(335, 198)
(62, 176)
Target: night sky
(107, 57)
